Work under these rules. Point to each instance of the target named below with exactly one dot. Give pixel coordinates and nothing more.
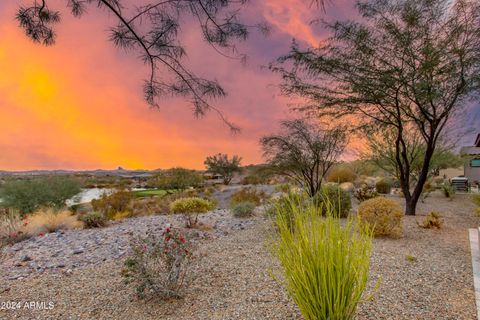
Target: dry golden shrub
(48, 220)
(385, 215)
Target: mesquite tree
(405, 64)
(222, 165)
(381, 151)
(304, 152)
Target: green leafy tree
(304, 152)
(222, 165)
(176, 178)
(382, 152)
(406, 65)
(29, 195)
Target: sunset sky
(78, 104)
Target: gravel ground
(67, 250)
(233, 279)
(439, 283)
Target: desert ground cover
(426, 274)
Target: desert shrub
(243, 209)
(191, 208)
(432, 220)
(176, 178)
(157, 205)
(428, 187)
(396, 183)
(109, 205)
(283, 187)
(122, 215)
(365, 192)
(476, 199)
(325, 262)
(254, 179)
(209, 191)
(410, 258)
(11, 227)
(150, 206)
(341, 174)
(247, 195)
(438, 181)
(366, 168)
(362, 180)
(477, 212)
(159, 264)
(427, 190)
(334, 197)
(50, 220)
(384, 215)
(258, 175)
(93, 220)
(384, 186)
(285, 205)
(30, 195)
(448, 190)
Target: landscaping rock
(82, 248)
(25, 258)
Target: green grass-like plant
(335, 199)
(410, 258)
(448, 190)
(476, 199)
(325, 262)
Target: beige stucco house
(472, 162)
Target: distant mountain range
(463, 131)
(98, 172)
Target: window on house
(475, 163)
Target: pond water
(87, 195)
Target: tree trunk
(410, 203)
(422, 178)
(411, 206)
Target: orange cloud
(78, 105)
(292, 17)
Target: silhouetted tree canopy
(304, 152)
(382, 152)
(153, 31)
(405, 64)
(224, 166)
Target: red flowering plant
(11, 227)
(159, 264)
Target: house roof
(470, 151)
